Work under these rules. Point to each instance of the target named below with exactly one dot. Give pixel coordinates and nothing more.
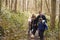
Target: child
(32, 25)
(41, 27)
(31, 22)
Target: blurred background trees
(0, 6)
(53, 14)
(15, 14)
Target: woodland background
(14, 15)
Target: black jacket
(41, 16)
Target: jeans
(41, 34)
(34, 30)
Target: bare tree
(41, 5)
(15, 7)
(59, 23)
(53, 14)
(47, 4)
(59, 15)
(0, 6)
(36, 5)
(6, 3)
(11, 4)
(27, 4)
(23, 5)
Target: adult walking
(33, 26)
(41, 16)
(37, 20)
(41, 28)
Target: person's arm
(38, 25)
(46, 27)
(44, 18)
(37, 19)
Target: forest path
(35, 38)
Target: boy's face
(40, 19)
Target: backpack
(46, 26)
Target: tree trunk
(0, 6)
(6, 3)
(15, 7)
(23, 5)
(47, 5)
(11, 4)
(36, 6)
(59, 15)
(59, 24)
(27, 5)
(53, 14)
(41, 5)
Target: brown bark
(15, 7)
(53, 14)
(59, 24)
(6, 3)
(47, 6)
(35, 5)
(59, 15)
(41, 5)
(27, 5)
(11, 4)
(23, 5)
(0, 6)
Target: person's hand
(43, 21)
(32, 36)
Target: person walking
(41, 28)
(41, 15)
(33, 25)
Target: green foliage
(52, 34)
(14, 24)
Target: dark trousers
(34, 30)
(41, 34)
